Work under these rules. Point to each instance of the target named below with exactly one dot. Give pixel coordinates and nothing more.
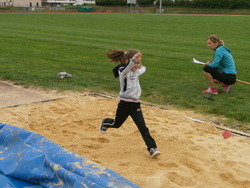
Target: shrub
(232, 4)
(122, 2)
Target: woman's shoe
(226, 88)
(211, 90)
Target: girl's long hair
(120, 56)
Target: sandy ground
(194, 154)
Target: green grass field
(35, 47)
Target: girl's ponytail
(116, 55)
(120, 56)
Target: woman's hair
(120, 56)
(215, 39)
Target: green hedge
(122, 2)
(182, 3)
(207, 3)
(110, 2)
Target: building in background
(21, 3)
(6, 3)
(70, 2)
(85, 2)
(40, 3)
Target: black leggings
(227, 79)
(132, 109)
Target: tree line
(232, 4)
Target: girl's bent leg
(122, 113)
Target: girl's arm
(124, 73)
(130, 64)
(142, 69)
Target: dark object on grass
(211, 98)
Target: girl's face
(212, 45)
(137, 64)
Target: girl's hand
(137, 61)
(137, 56)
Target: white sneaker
(154, 153)
(226, 88)
(103, 128)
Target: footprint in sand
(102, 140)
(99, 140)
(229, 177)
(93, 146)
(94, 143)
(158, 180)
(168, 165)
(180, 180)
(124, 164)
(115, 135)
(191, 164)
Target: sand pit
(194, 154)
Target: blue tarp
(29, 160)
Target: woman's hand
(205, 64)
